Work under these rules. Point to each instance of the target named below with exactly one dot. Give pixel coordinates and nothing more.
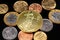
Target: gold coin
(10, 18)
(40, 36)
(20, 6)
(48, 4)
(54, 16)
(3, 8)
(29, 21)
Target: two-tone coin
(3, 8)
(35, 7)
(47, 25)
(20, 6)
(25, 36)
(9, 33)
(29, 21)
(40, 36)
(54, 16)
(10, 18)
(48, 4)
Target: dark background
(54, 34)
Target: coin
(3, 8)
(29, 21)
(40, 36)
(48, 4)
(25, 36)
(54, 16)
(9, 33)
(20, 6)
(35, 7)
(10, 18)
(47, 25)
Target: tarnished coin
(47, 25)
(9, 33)
(10, 18)
(29, 21)
(25, 36)
(20, 6)
(3, 8)
(40, 36)
(54, 16)
(35, 7)
(48, 4)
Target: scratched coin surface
(40, 36)
(25, 36)
(35, 7)
(9, 33)
(10, 18)
(20, 6)
(3, 8)
(47, 25)
(29, 21)
(54, 16)
(48, 4)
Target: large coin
(11, 18)
(40, 36)
(47, 25)
(9, 33)
(54, 16)
(25, 36)
(20, 6)
(29, 21)
(3, 8)
(48, 4)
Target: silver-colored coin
(9, 33)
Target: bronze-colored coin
(54, 16)
(40, 36)
(10, 18)
(20, 6)
(29, 21)
(35, 7)
(48, 4)
(3, 8)
(25, 36)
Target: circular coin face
(9, 33)
(47, 25)
(40, 36)
(3, 8)
(48, 4)
(10, 18)
(20, 6)
(25, 36)
(35, 7)
(54, 16)
(29, 21)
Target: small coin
(54, 16)
(20, 6)
(29, 21)
(35, 7)
(25, 36)
(9, 33)
(40, 36)
(3, 8)
(10, 18)
(48, 4)
(47, 25)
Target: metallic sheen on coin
(40, 36)
(29, 21)
(9, 33)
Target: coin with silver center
(9, 33)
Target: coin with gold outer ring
(29, 21)
(40, 36)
